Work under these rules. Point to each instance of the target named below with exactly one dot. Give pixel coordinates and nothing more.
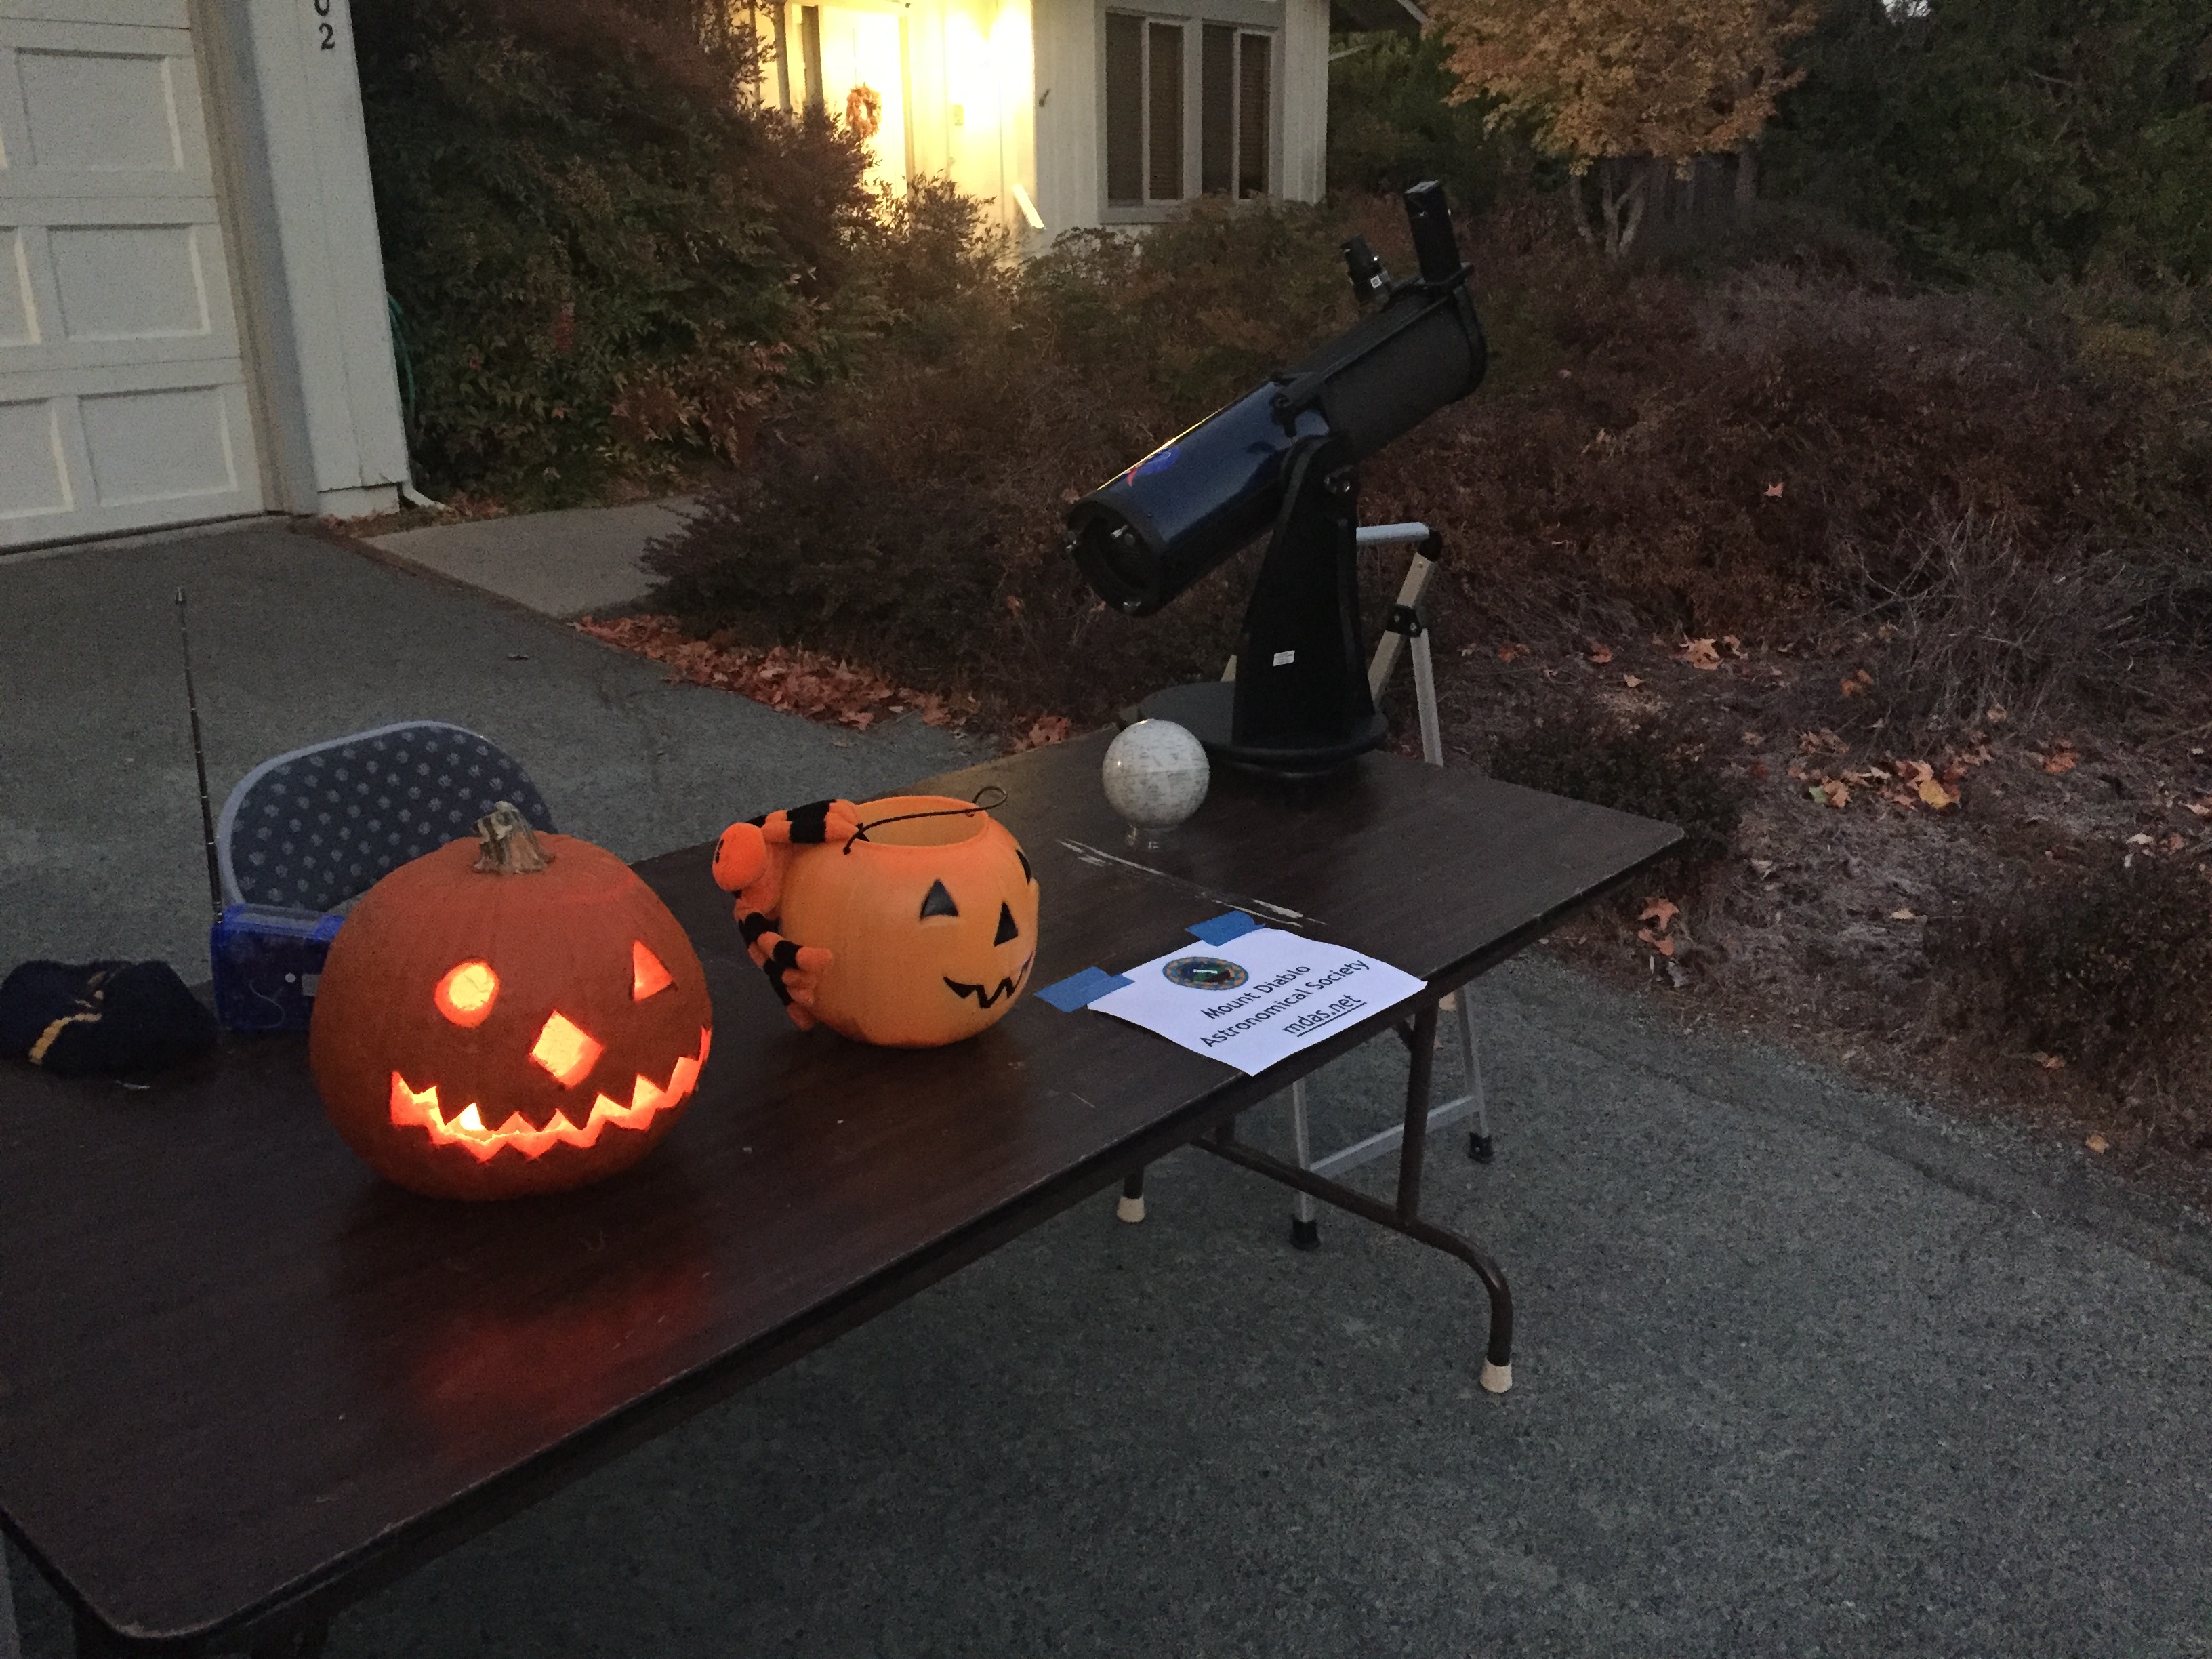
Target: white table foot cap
(1130, 1209)
(1496, 1378)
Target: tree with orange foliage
(1610, 85)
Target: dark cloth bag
(101, 1018)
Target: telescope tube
(1148, 533)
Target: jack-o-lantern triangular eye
(647, 975)
(1006, 928)
(938, 903)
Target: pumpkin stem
(510, 845)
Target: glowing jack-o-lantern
(520, 1015)
(912, 921)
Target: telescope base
(1208, 711)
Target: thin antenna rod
(199, 764)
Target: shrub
(601, 259)
(1640, 770)
(910, 515)
(2107, 974)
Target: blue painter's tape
(1219, 929)
(1081, 990)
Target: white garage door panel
(150, 14)
(122, 395)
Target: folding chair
(1404, 626)
(311, 829)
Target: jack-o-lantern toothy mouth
(414, 1108)
(985, 998)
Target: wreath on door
(864, 111)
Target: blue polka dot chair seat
(320, 825)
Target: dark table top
(241, 1376)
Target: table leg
(1132, 1205)
(1480, 1147)
(1305, 1226)
(1414, 1142)
(1404, 1216)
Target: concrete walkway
(1802, 1369)
(560, 564)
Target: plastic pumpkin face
(931, 921)
(486, 1034)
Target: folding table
(243, 1383)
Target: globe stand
(1298, 705)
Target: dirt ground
(1852, 855)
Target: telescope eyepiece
(1370, 282)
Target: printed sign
(1256, 998)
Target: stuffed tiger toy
(750, 860)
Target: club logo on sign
(1205, 974)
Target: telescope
(1284, 459)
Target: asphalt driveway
(1800, 1368)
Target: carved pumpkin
(929, 917)
(521, 1017)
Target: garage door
(122, 395)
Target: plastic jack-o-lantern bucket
(930, 916)
(524, 1016)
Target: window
(1233, 112)
(1151, 160)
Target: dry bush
(1771, 453)
(910, 515)
(1643, 769)
(1976, 620)
(2107, 975)
(1710, 456)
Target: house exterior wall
(1004, 97)
(1070, 89)
(303, 226)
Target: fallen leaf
(2098, 1145)
(1661, 910)
(1932, 791)
(1758, 769)
(1469, 650)
(1665, 947)
(1855, 684)
(1903, 915)
(2049, 1063)
(2062, 758)
(2174, 843)
(1822, 741)
(1764, 866)
(1600, 652)
(1995, 716)
(1836, 793)
(2139, 839)
(1630, 681)
(1700, 653)
(1507, 652)
(1735, 645)
(1774, 492)
(1903, 801)
(1750, 740)
(2202, 808)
